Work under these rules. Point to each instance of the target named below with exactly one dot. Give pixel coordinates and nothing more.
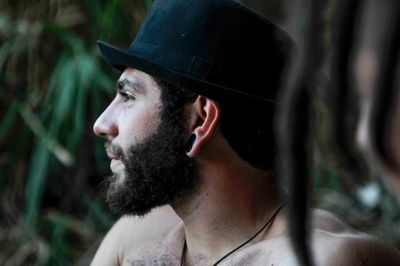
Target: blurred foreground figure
(190, 139)
(364, 59)
(377, 80)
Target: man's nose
(105, 126)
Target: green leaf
(9, 119)
(6, 50)
(36, 182)
(5, 25)
(102, 218)
(65, 86)
(34, 123)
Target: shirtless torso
(158, 238)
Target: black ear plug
(189, 143)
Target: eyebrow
(120, 84)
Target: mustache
(113, 149)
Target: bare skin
(146, 241)
(232, 201)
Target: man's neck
(232, 203)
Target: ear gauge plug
(189, 143)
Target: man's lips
(112, 156)
(115, 161)
(114, 153)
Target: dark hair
(248, 126)
(246, 123)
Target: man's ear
(204, 115)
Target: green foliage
(53, 85)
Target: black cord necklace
(267, 224)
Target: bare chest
(277, 252)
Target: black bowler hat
(215, 47)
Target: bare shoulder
(335, 243)
(132, 234)
(332, 243)
(326, 221)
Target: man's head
(146, 138)
(196, 66)
(155, 131)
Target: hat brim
(120, 60)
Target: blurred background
(54, 84)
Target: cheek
(137, 123)
(148, 120)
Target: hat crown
(215, 43)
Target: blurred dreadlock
(385, 85)
(347, 23)
(343, 41)
(294, 120)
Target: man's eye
(126, 96)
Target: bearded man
(190, 138)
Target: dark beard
(157, 171)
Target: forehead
(138, 81)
